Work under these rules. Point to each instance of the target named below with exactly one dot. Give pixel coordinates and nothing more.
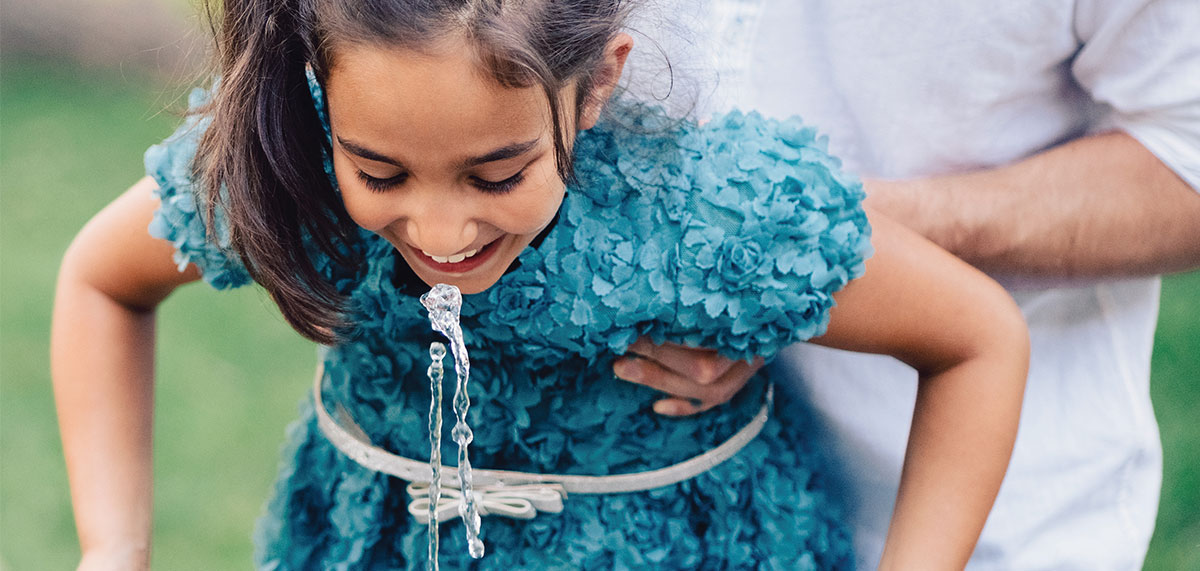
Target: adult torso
(909, 89)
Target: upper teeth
(456, 258)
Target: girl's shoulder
(738, 172)
(640, 145)
(181, 218)
(725, 230)
(183, 214)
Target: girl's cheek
(537, 209)
(529, 216)
(365, 222)
(362, 206)
(369, 219)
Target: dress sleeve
(1141, 58)
(775, 228)
(179, 218)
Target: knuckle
(741, 380)
(741, 374)
(727, 392)
(708, 368)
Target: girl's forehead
(403, 100)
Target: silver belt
(509, 493)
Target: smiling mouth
(461, 262)
(456, 258)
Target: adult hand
(696, 379)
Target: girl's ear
(605, 80)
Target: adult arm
(1113, 204)
(1099, 206)
(112, 277)
(967, 341)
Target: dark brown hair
(261, 158)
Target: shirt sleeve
(180, 218)
(776, 228)
(1141, 58)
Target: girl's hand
(697, 379)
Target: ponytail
(261, 162)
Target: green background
(230, 372)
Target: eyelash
(501, 186)
(381, 184)
(490, 187)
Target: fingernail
(664, 408)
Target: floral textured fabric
(732, 235)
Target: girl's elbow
(990, 335)
(1010, 330)
(1000, 336)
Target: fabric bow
(520, 502)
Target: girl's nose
(443, 230)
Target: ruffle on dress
(180, 220)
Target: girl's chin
(466, 286)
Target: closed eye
(501, 186)
(375, 184)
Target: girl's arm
(968, 342)
(113, 276)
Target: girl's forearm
(102, 366)
(963, 430)
(966, 338)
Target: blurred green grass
(230, 371)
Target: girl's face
(453, 169)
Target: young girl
(462, 143)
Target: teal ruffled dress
(732, 235)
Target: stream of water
(437, 352)
(444, 303)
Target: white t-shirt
(919, 88)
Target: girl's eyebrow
(368, 153)
(505, 152)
